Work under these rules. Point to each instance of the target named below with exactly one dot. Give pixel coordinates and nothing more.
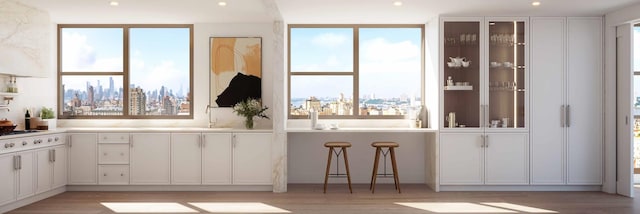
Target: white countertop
(347, 130)
(31, 134)
(162, 129)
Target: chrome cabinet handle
(54, 155)
(204, 141)
(568, 115)
(15, 162)
(70, 141)
(482, 141)
(50, 155)
(486, 141)
(19, 161)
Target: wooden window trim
(355, 72)
(124, 73)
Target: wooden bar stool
(380, 149)
(343, 150)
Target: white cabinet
(186, 158)
(150, 158)
(51, 168)
(44, 165)
(8, 169)
(113, 174)
(252, 158)
(216, 158)
(584, 101)
(506, 159)
(59, 166)
(461, 159)
(113, 158)
(26, 174)
(476, 159)
(82, 158)
(566, 100)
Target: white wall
(223, 117)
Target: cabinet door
(186, 159)
(461, 72)
(507, 77)
(82, 158)
(26, 174)
(216, 158)
(150, 158)
(507, 159)
(584, 119)
(44, 166)
(8, 175)
(461, 158)
(252, 158)
(548, 65)
(59, 166)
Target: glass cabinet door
(506, 74)
(461, 97)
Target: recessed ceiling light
(397, 3)
(114, 3)
(222, 3)
(535, 3)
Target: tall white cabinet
(566, 101)
(484, 101)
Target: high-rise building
(111, 89)
(90, 97)
(137, 101)
(169, 106)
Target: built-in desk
(416, 155)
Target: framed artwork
(235, 70)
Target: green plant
(47, 113)
(250, 108)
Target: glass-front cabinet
(461, 45)
(484, 74)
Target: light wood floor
(310, 199)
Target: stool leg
(326, 174)
(375, 171)
(346, 164)
(396, 179)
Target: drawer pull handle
(122, 154)
(121, 174)
(105, 174)
(105, 154)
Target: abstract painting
(235, 70)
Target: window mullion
(356, 71)
(125, 78)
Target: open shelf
(459, 88)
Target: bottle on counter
(27, 120)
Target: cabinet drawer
(113, 138)
(113, 154)
(113, 174)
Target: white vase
(50, 123)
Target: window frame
(355, 70)
(124, 73)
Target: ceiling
(309, 11)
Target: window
(355, 71)
(125, 71)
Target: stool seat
(337, 144)
(385, 144)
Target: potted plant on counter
(249, 109)
(48, 119)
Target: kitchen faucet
(208, 111)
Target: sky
(157, 56)
(389, 61)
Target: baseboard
(120, 188)
(520, 188)
(29, 200)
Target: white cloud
(163, 74)
(380, 55)
(329, 40)
(78, 55)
